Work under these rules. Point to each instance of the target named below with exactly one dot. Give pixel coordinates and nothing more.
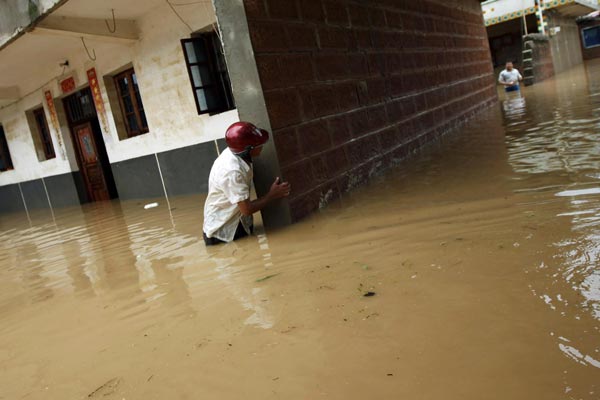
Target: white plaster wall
(164, 86)
(497, 8)
(22, 150)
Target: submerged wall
(352, 87)
(538, 60)
(565, 45)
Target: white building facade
(100, 100)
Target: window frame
(597, 27)
(128, 73)
(46, 138)
(221, 82)
(5, 152)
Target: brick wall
(542, 60)
(593, 52)
(352, 87)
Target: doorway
(88, 143)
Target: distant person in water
(510, 78)
(228, 209)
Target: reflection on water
(483, 252)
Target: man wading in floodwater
(510, 78)
(228, 209)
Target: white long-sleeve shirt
(229, 183)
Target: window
(131, 103)
(5, 160)
(591, 36)
(44, 133)
(208, 74)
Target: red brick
(362, 37)
(338, 130)
(434, 99)
(331, 66)
(363, 93)
(377, 117)
(394, 19)
(288, 145)
(377, 18)
(429, 24)
(420, 103)
(394, 110)
(303, 206)
(413, 23)
(359, 123)
(267, 36)
(296, 69)
(407, 130)
(299, 175)
(313, 136)
(319, 101)
(396, 86)
(284, 108)
(359, 15)
(377, 64)
(378, 39)
(336, 161)
(320, 170)
(347, 96)
(399, 62)
(336, 12)
(389, 138)
(283, 9)
(255, 8)
(363, 149)
(301, 37)
(312, 10)
(376, 90)
(269, 71)
(357, 65)
(413, 81)
(334, 38)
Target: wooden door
(91, 166)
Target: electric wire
(179, 16)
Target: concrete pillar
(250, 101)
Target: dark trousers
(240, 232)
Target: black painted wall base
(63, 191)
(10, 199)
(185, 171)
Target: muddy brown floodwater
(483, 252)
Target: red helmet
(243, 136)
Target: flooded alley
(470, 271)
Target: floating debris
(369, 294)
(363, 266)
(266, 278)
(106, 389)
